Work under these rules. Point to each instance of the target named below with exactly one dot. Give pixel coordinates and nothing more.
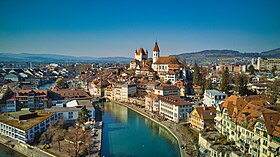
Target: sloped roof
(167, 87)
(175, 100)
(156, 48)
(167, 60)
(206, 113)
(141, 50)
(234, 104)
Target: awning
(255, 138)
(218, 118)
(274, 145)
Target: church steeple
(156, 48)
(155, 52)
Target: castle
(167, 66)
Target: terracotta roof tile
(167, 60)
(175, 100)
(206, 113)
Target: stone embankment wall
(23, 149)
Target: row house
(253, 125)
(202, 117)
(166, 90)
(152, 102)
(97, 88)
(121, 92)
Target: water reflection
(126, 133)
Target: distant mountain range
(198, 57)
(211, 55)
(28, 57)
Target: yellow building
(202, 117)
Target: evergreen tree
(241, 84)
(251, 69)
(208, 84)
(83, 115)
(225, 81)
(196, 75)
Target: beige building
(166, 90)
(174, 108)
(266, 64)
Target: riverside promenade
(177, 131)
(23, 149)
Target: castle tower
(155, 52)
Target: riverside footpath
(187, 145)
(23, 149)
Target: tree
(196, 75)
(241, 84)
(46, 137)
(75, 134)
(251, 69)
(83, 115)
(58, 136)
(273, 70)
(225, 81)
(208, 84)
(81, 140)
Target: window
(265, 142)
(70, 115)
(264, 151)
(265, 134)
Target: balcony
(254, 150)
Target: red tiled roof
(175, 100)
(167, 60)
(167, 87)
(206, 113)
(141, 50)
(156, 48)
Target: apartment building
(24, 125)
(252, 123)
(175, 108)
(266, 64)
(121, 92)
(33, 99)
(166, 90)
(152, 102)
(202, 117)
(213, 97)
(71, 110)
(7, 100)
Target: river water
(46, 86)
(128, 134)
(7, 152)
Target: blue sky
(103, 28)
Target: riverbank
(165, 124)
(9, 152)
(24, 149)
